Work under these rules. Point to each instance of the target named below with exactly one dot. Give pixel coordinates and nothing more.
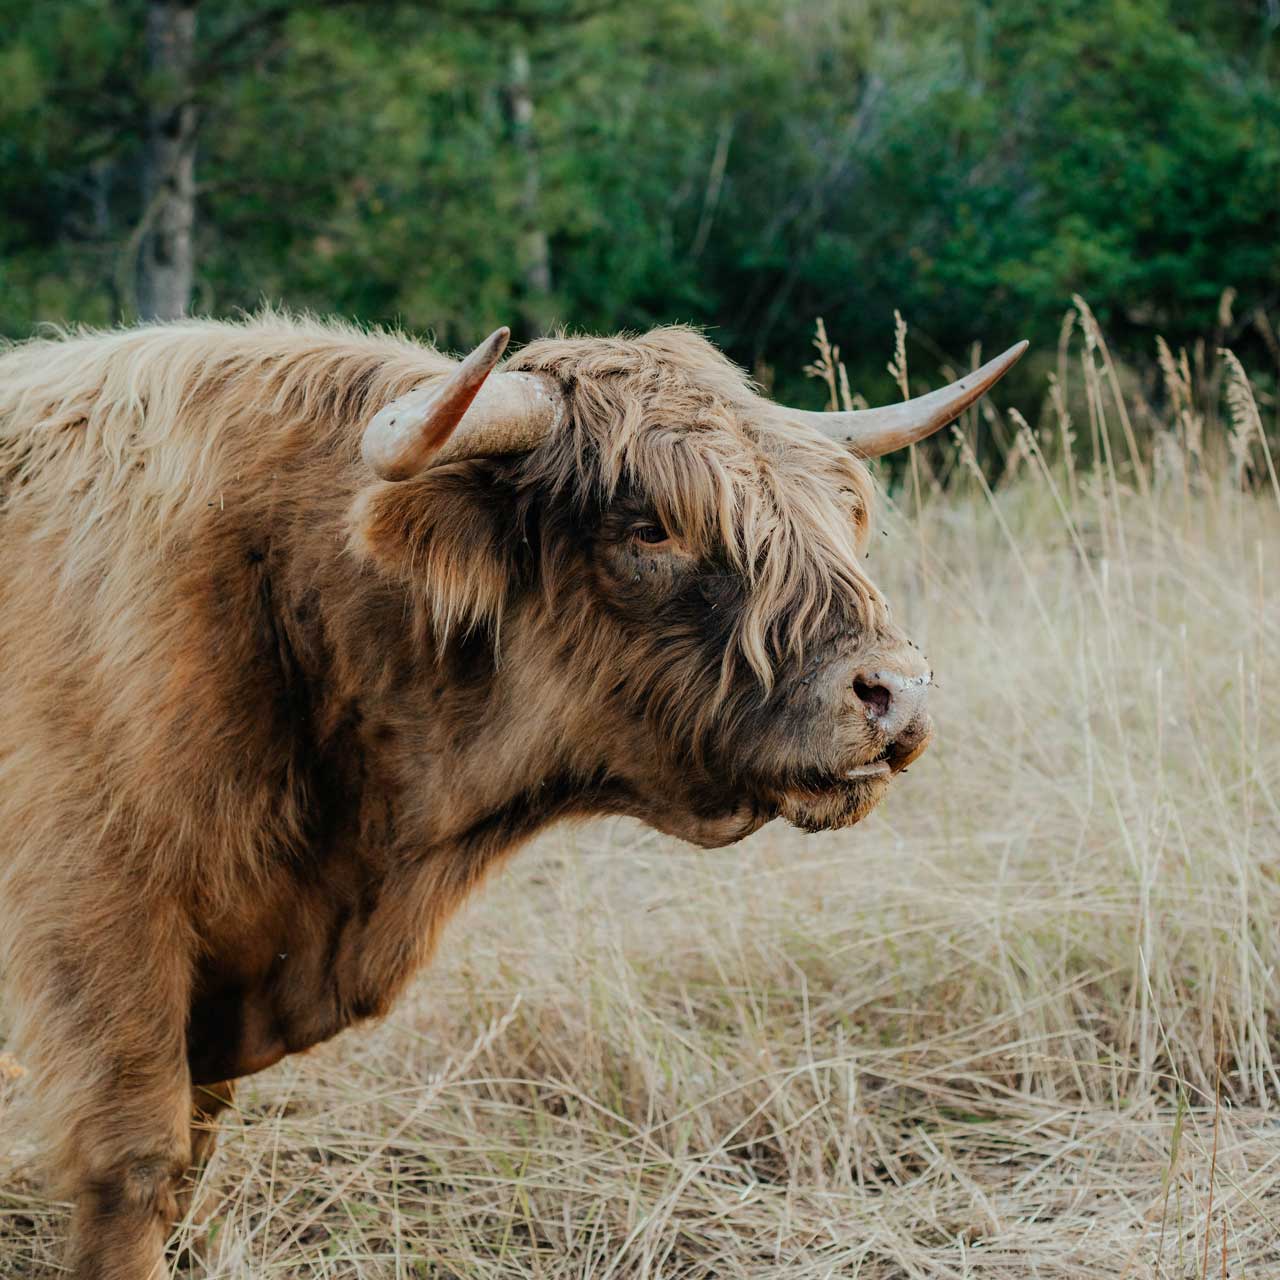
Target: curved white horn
(463, 414)
(872, 432)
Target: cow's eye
(649, 532)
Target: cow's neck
(409, 789)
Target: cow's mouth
(820, 798)
(826, 803)
(825, 800)
(878, 768)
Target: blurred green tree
(744, 164)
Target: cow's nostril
(875, 697)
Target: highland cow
(303, 630)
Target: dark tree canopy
(743, 164)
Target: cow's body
(265, 720)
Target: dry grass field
(1022, 1022)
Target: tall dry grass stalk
(1021, 1022)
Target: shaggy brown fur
(265, 721)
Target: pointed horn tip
(480, 360)
(1005, 361)
(498, 339)
(1013, 355)
(995, 368)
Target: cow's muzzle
(896, 708)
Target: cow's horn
(465, 414)
(871, 432)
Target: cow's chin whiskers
(841, 805)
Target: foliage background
(741, 164)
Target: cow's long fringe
(667, 414)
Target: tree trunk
(165, 262)
(534, 251)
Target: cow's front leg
(123, 1216)
(135, 1167)
(103, 1011)
(208, 1101)
(134, 1144)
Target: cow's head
(670, 566)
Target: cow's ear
(448, 536)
